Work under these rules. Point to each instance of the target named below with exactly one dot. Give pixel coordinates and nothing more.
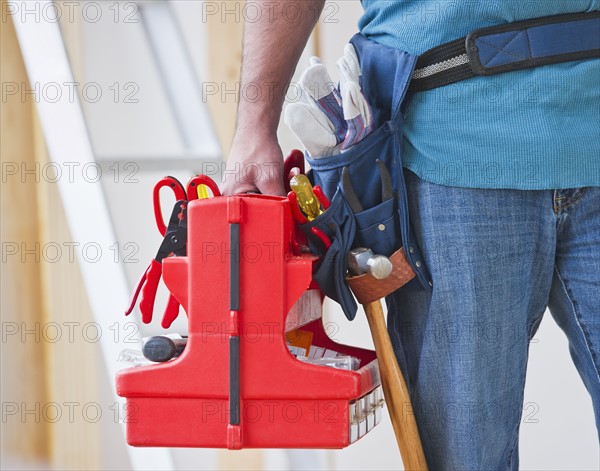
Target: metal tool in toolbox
(174, 243)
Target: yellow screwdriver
(308, 202)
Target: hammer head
(362, 260)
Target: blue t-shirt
(531, 129)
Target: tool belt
(513, 46)
(388, 76)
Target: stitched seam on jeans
(555, 203)
(578, 321)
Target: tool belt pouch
(382, 225)
(339, 226)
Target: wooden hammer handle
(395, 392)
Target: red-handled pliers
(174, 242)
(180, 195)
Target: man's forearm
(272, 48)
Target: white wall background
(559, 432)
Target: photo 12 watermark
(68, 412)
(53, 172)
(71, 12)
(69, 92)
(268, 12)
(68, 252)
(68, 332)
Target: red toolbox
(243, 284)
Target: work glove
(318, 119)
(357, 112)
(313, 129)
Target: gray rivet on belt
(411, 249)
(418, 264)
(381, 227)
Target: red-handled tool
(322, 237)
(296, 211)
(198, 181)
(318, 191)
(178, 191)
(300, 218)
(149, 288)
(174, 242)
(171, 312)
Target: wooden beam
(42, 375)
(71, 363)
(224, 45)
(24, 433)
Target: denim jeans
(498, 258)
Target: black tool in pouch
(383, 224)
